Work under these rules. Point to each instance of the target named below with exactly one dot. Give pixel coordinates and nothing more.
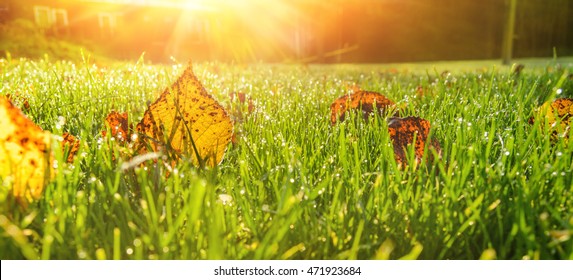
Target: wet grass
(295, 187)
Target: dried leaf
(17, 98)
(24, 153)
(558, 114)
(186, 120)
(118, 125)
(241, 105)
(72, 143)
(366, 101)
(402, 133)
(517, 69)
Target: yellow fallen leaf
(24, 153)
(186, 120)
(558, 114)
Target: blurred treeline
(311, 31)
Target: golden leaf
(558, 114)
(186, 120)
(24, 153)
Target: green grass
(295, 187)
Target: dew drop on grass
(82, 254)
(137, 242)
(129, 251)
(60, 123)
(80, 194)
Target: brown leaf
(72, 143)
(17, 98)
(241, 105)
(119, 126)
(366, 101)
(402, 132)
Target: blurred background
(306, 31)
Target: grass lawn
(295, 187)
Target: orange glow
(244, 29)
(236, 30)
(307, 31)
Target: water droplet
(137, 242)
(82, 254)
(225, 198)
